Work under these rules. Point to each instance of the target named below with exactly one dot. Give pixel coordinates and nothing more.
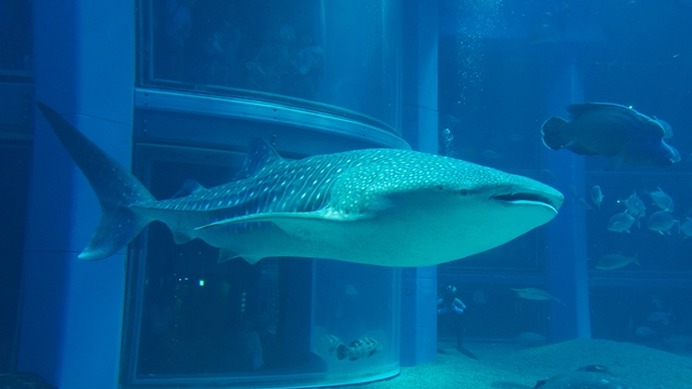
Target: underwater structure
(177, 92)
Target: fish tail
(552, 131)
(116, 188)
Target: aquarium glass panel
(192, 320)
(300, 52)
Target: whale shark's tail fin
(116, 188)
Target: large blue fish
(615, 131)
(377, 206)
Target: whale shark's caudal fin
(116, 188)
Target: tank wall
(16, 92)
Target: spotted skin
(376, 206)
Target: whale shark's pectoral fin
(295, 224)
(226, 255)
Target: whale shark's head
(435, 209)
(500, 207)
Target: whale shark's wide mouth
(531, 198)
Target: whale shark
(387, 207)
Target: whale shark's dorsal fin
(260, 154)
(189, 187)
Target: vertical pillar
(419, 128)
(72, 310)
(566, 255)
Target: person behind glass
(450, 310)
(448, 303)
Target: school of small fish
(661, 219)
(658, 218)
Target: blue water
(475, 80)
(509, 66)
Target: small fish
(364, 347)
(615, 131)
(635, 206)
(661, 222)
(660, 318)
(615, 261)
(597, 195)
(662, 200)
(534, 294)
(621, 222)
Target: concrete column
(419, 128)
(72, 310)
(567, 270)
